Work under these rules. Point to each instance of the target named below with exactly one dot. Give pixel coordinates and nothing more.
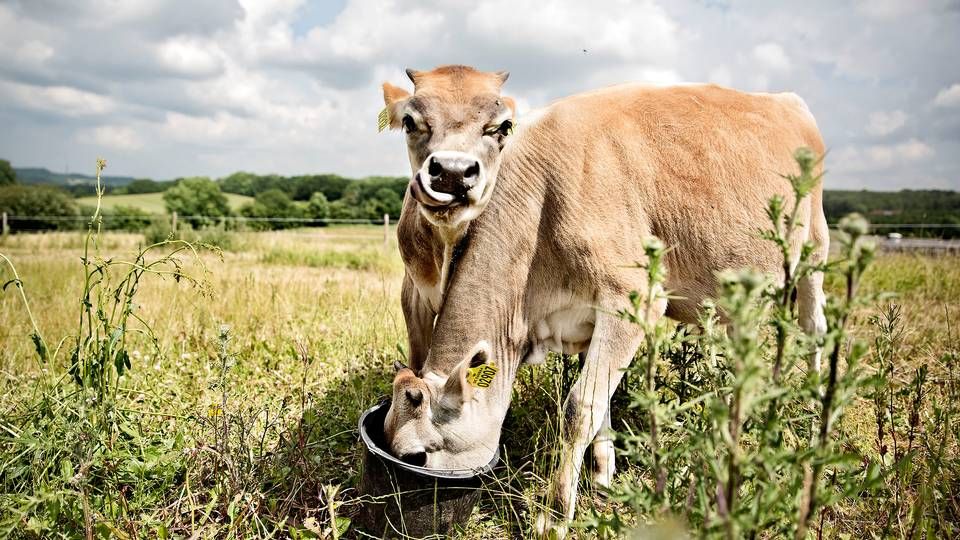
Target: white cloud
(122, 138)
(948, 97)
(218, 129)
(638, 30)
(880, 157)
(190, 57)
(34, 51)
(63, 100)
(720, 75)
(772, 56)
(887, 9)
(882, 123)
(913, 150)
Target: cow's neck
(485, 296)
(451, 237)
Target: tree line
(323, 196)
(203, 202)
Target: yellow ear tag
(482, 375)
(382, 120)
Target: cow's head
(447, 421)
(456, 123)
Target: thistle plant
(725, 441)
(643, 307)
(87, 426)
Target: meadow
(151, 203)
(246, 370)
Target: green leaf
(40, 346)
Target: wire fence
(137, 222)
(211, 219)
(333, 221)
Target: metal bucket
(400, 500)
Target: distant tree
(272, 203)
(343, 209)
(272, 181)
(42, 203)
(126, 218)
(383, 201)
(331, 185)
(318, 207)
(240, 183)
(146, 185)
(7, 174)
(198, 196)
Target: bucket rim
(445, 474)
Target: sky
(164, 89)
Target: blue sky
(291, 86)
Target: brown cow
(578, 189)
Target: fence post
(386, 230)
(173, 223)
(6, 228)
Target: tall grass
(75, 431)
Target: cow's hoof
(603, 478)
(548, 528)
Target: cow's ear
(394, 98)
(511, 104)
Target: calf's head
(447, 421)
(456, 123)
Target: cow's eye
(504, 129)
(408, 124)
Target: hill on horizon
(42, 175)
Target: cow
(546, 264)
(456, 123)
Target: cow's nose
(453, 173)
(417, 459)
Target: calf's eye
(408, 124)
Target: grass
(151, 203)
(240, 419)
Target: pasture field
(237, 415)
(151, 203)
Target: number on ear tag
(382, 120)
(481, 376)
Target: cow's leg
(612, 346)
(419, 317)
(810, 298)
(604, 454)
(810, 304)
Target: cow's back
(693, 165)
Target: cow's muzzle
(446, 179)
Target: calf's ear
(394, 98)
(469, 376)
